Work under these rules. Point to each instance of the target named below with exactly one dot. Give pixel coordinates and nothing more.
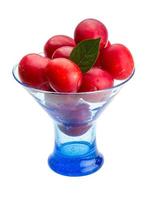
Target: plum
(64, 75)
(76, 119)
(32, 71)
(55, 42)
(91, 29)
(118, 61)
(63, 52)
(96, 79)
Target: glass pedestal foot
(75, 159)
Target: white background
(125, 130)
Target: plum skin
(118, 61)
(55, 42)
(98, 62)
(75, 115)
(96, 79)
(91, 29)
(62, 52)
(63, 75)
(32, 71)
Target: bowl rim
(123, 82)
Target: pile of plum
(89, 62)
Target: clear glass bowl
(74, 115)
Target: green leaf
(85, 54)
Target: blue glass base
(76, 158)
